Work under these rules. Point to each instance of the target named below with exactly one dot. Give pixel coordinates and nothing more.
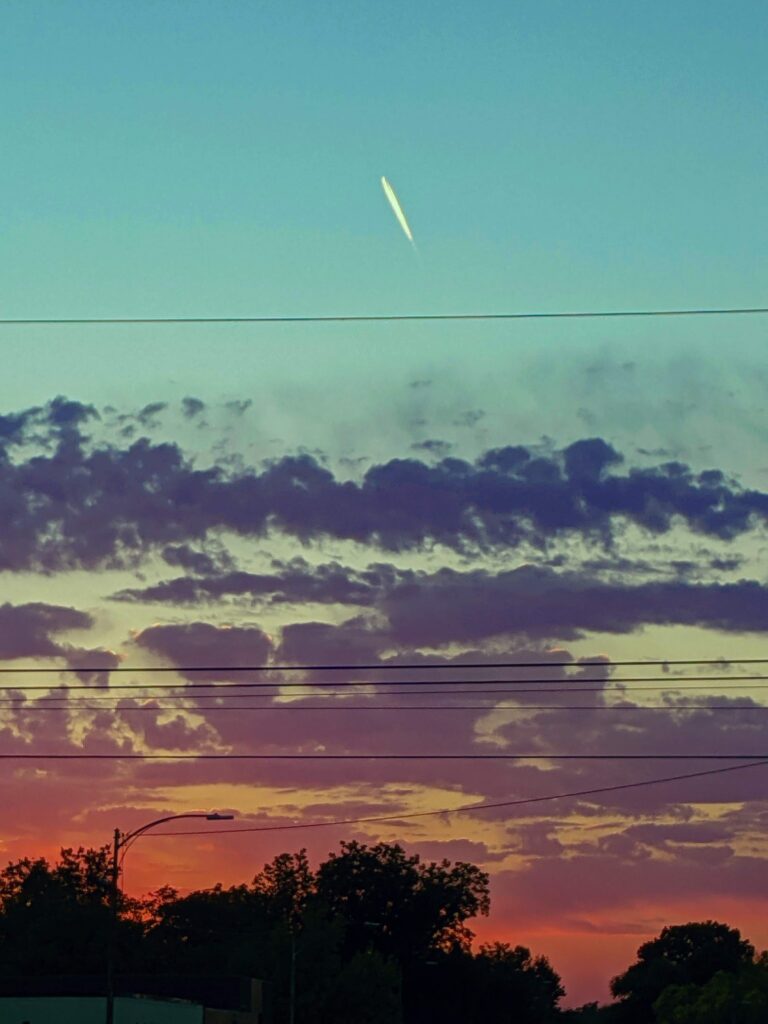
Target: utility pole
(114, 892)
(292, 987)
(121, 841)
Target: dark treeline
(375, 936)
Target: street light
(121, 841)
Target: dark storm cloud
(68, 502)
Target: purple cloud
(202, 644)
(294, 582)
(88, 504)
(29, 631)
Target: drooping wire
(593, 791)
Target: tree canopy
(377, 935)
(727, 998)
(685, 954)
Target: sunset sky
(368, 493)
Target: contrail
(397, 209)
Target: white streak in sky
(397, 209)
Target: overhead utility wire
(425, 666)
(468, 807)
(392, 707)
(411, 692)
(381, 317)
(342, 684)
(380, 757)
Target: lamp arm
(128, 836)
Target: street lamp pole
(292, 987)
(121, 841)
(114, 885)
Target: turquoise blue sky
(204, 158)
(223, 158)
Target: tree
(376, 936)
(303, 936)
(513, 985)
(441, 988)
(253, 930)
(392, 902)
(589, 1013)
(55, 919)
(727, 998)
(287, 884)
(215, 931)
(367, 990)
(688, 954)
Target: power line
(381, 667)
(380, 757)
(382, 317)
(474, 691)
(196, 709)
(342, 685)
(469, 807)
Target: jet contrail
(397, 209)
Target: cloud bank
(72, 501)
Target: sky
(374, 492)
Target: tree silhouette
(513, 985)
(219, 931)
(287, 885)
(55, 919)
(367, 990)
(686, 954)
(398, 905)
(379, 936)
(727, 998)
